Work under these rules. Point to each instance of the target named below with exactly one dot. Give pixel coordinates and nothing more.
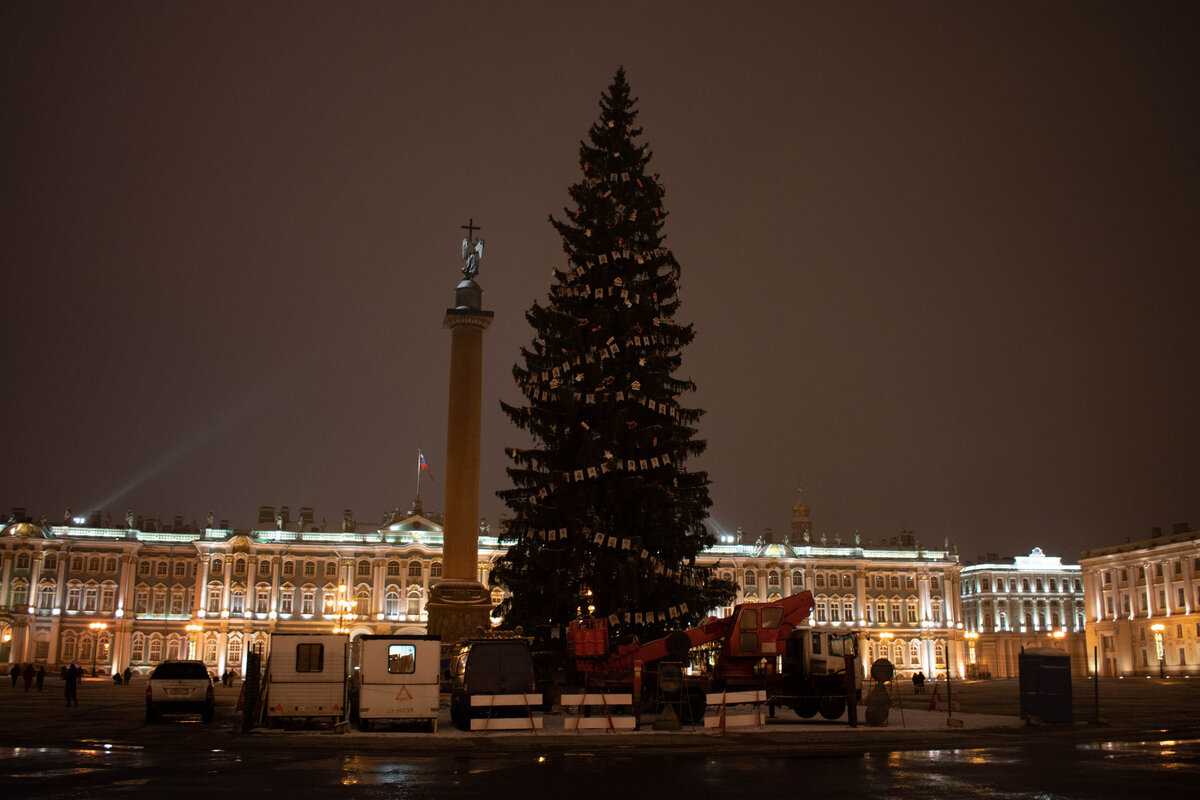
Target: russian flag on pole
(424, 467)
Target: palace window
(364, 568)
(391, 604)
(68, 647)
(144, 568)
(310, 569)
(414, 605)
(177, 602)
(73, 594)
(239, 566)
(137, 648)
(330, 569)
(362, 603)
(161, 569)
(234, 655)
(214, 598)
(289, 569)
(414, 569)
(881, 611)
(89, 598)
(910, 582)
(141, 601)
(895, 581)
(20, 594)
(237, 601)
(160, 601)
(77, 564)
(393, 569)
(307, 601)
(51, 561)
(108, 598)
(156, 644)
(210, 649)
(217, 567)
(93, 564)
(46, 596)
(848, 609)
(797, 579)
(285, 600)
(896, 616)
(752, 579)
(772, 578)
(435, 569)
(262, 600)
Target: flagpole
(418, 473)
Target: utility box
(1045, 681)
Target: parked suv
(179, 687)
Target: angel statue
(472, 252)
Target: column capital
(469, 317)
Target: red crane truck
(758, 646)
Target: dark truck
(489, 666)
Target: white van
(396, 678)
(306, 676)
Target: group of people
(918, 683)
(122, 678)
(228, 677)
(29, 674)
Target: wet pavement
(105, 748)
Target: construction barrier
(723, 719)
(489, 723)
(606, 702)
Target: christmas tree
(606, 515)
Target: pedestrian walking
(15, 672)
(127, 675)
(28, 674)
(41, 676)
(72, 684)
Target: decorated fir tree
(605, 511)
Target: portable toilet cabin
(396, 678)
(306, 676)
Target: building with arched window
(1026, 601)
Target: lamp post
(971, 637)
(97, 627)
(1158, 646)
(341, 608)
(194, 630)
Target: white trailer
(396, 678)
(306, 676)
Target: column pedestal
(458, 609)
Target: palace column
(459, 603)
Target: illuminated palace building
(1142, 608)
(93, 593)
(1022, 602)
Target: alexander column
(459, 603)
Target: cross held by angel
(472, 251)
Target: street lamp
(97, 627)
(341, 608)
(1158, 646)
(193, 632)
(971, 637)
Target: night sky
(942, 259)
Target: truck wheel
(832, 706)
(806, 707)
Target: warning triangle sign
(403, 694)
